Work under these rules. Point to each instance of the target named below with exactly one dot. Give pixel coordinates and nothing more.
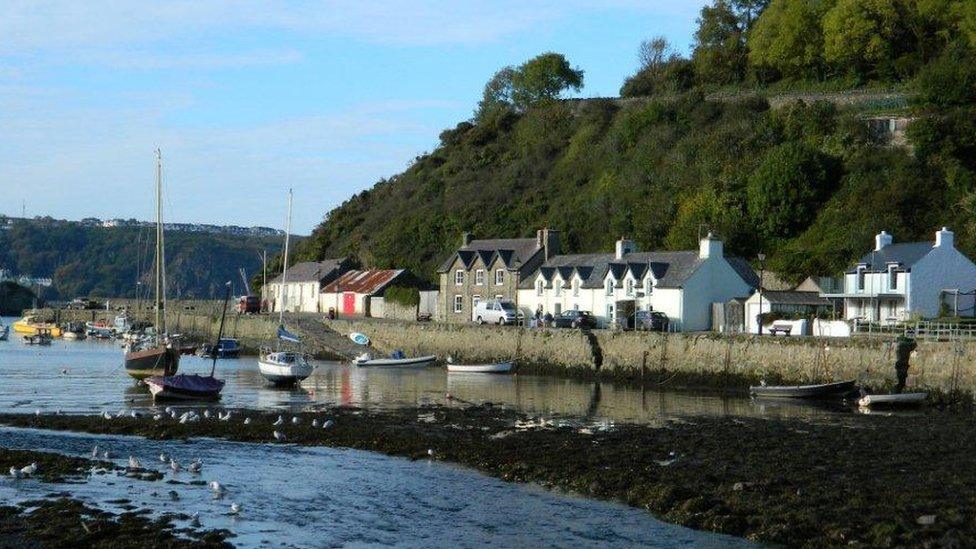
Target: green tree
(701, 212)
(661, 70)
(498, 93)
(786, 189)
(540, 79)
(788, 37)
(720, 55)
(863, 36)
(949, 80)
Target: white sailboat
(280, 366)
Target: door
(348, 303)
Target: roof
(311, 271)
(905, 254)
(792, 297)
(509, 250)
(670, 269)
(363, 282)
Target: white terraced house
(681, 284)
(898, 282)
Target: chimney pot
(945, 237)
(881, 240)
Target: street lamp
(762, 271)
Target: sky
(247, 99)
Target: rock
(738, 486)
(926, 520)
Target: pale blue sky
(247, 99)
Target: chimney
(548, 239)
(624, 246)
(466, 239)
(710, 246)
(944, 238)
(881, 240)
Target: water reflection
(94, 380)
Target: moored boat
(395, 361)
(4, 331)
(184, 387)
(42, 337)
(29, 326)
(498, 368)
(822, 390)
(226, 348)
(892, 400)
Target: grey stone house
(489, 269)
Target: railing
(922, 330)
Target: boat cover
(285, 335)
(192, 383)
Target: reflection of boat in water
(822, 390)
(800, 405)
(42, 337)
(29, 326)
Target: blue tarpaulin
(285, 335)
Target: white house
(896, 282)
(351, 294)
(681, 284)
(303, 285)
(787, 302)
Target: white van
(495, 311)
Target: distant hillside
(94, 261)
(808, 183)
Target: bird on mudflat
(215, 486)
(315, 423)
(328, 423)
(195, 520)
(134, 463)
(15, 472)
(29, 470)
(279, 436)
(107, 415)
(206, 414)
(247, 421)
(280, 421)
(94, 452)
(194, 466)
(174, 465)
(235, 508)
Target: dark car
(652, 321)
(574, 319)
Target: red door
(348, 303)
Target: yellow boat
(28, 326)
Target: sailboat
(284, 367)
(191, 386)
(156, 355)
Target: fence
(922, 330)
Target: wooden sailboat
(277, 365)
(155, 355)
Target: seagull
(206, 414)
(163, 458)
(195, 521)
(120, 414)
(328, 423)
(64, 371)
(194, 466)
(223, 417)
(134, 414)
(168, 409)
(37, 412)
(247, 421)
(315, 423)
(184, 419)
(57, 412)
(430, 452)
(106, 455)
(215, 486)
(134, 463)
(157, 417)
(279, 422)
(29, 470)
(174, 465)
(279, 435)
(107, 415)
(15, 473)
(295, 420)
(235, 508)
(94, 452)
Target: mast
(284, 271)
(159, 244)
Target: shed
(352, 293)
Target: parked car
(495, 311)
(652, 321)
(574, 319)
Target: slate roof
(905, 254)
(670, 269)
(510, 250)
(311, 271)
(363, 282)
(790, 297)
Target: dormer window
(539, 287)
(630, 286)
(609, 286)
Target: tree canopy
(542, 78)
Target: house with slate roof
(303, 285)
(681, 284)
(489, 269)
(896, 282)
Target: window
(558, 285)
(458, 304)
(499, 296)
(609, 312)
(576, 287)
(609, 286)
(458, 277)
(499, 277)
(539, 285)
(892, 278)
(475, 299)
(648, 286)
(630, 287)
(559, 309)
(479, 277)
(860, 279)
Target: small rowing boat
(822, 390)
(395, 361)
(359, 338)
(185, 387)
(499, 368)
(893, 400)
(29, 326)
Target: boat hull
(4, 333)
(825, 390)
(30, 329)
(184, 387)
(156, 361)
(284, 373)
(500, 368)
(417, 362)
(902, 399)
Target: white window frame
(475, 299)
(479, 277)
(576, 287)
(540, 286)
(648, 286)
(459, 277)
(608, 286)
(458, 303)
(860, 279)
(629, 284)
(557, 286)
(892, 277)
(499, 277)
(499, 297)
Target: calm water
(94, 380)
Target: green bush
(408, 297)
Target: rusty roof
(363, 282)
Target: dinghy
(893, 400)
(359, 338)
(823, 390)
(499, 368)
(4, 331)
(397, 360)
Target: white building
(896, 282)
(681, 284)
(305, 282)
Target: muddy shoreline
(876, 480)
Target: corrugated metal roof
(363, 282)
